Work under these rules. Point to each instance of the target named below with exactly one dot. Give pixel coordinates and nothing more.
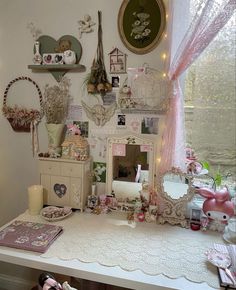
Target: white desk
(96, 272)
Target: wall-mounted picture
(83, 126)
(99, 172)
(149, 125)
(141, 24)
(109, 98)
(121, 120)
(115, 81)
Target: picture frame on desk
(195, 219)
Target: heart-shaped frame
(60, 189)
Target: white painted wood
(73, 174)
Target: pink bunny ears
(220, 195)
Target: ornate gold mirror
(176, 190)
(130, 162)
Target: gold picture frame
(141, 24)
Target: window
(210, 101)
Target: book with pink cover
(29, 236)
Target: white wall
(18, 168)
(54, 18)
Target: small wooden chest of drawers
(66, 182)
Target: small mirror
(175, 185)
(176, 190)
(130, 162)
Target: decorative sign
(119, 149)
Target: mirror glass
(132, 167)
(175, 185)
(130, 162)
(176, 190)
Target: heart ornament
(60, 189)
(49, 45)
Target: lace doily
(154, 249)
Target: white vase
(37, 56)
(55, 137)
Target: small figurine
(85, 25)
(73, 129)
(217, 206)
(69, 57)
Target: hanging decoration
(97, 80)
(117, 61)
(85, 25)
(99, 114)
(23, 119)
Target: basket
(22, 119)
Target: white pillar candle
(35, 199)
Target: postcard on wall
(119, 149)
(83, 126)
(121, 121)
(109, 98)
(149, 125)
(75, 112)
(145, 148)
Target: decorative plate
(54, 213)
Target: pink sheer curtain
(211, 16)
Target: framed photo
(121, 121)
(195, 215)
(115, 81)
(141, 24)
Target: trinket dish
(54, 213)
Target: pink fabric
(211, 16)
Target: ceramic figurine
(85, 25)
(69, 57)
(217, 207)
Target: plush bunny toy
(217, 206)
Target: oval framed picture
(141, 24)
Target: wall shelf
(57, 70)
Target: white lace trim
(151, 248)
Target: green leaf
(218, 179)
(205, 165)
